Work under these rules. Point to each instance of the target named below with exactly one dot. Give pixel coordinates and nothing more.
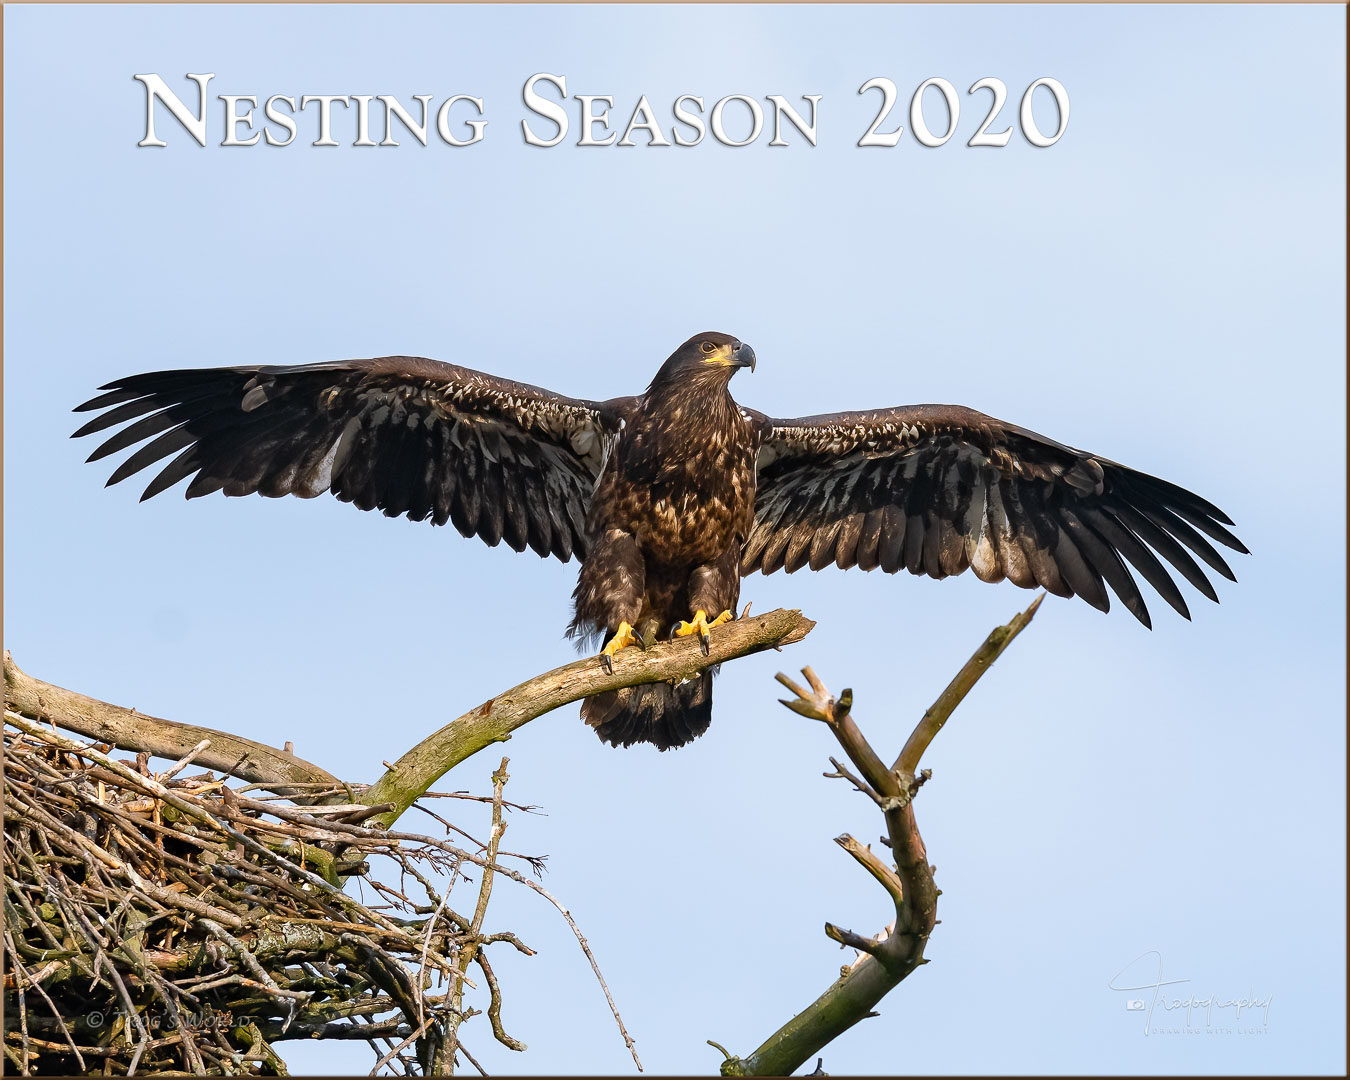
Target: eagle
(669, 498)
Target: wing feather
(935, 489)
(404, 435)
(869, 539)
(846, 543)
(1107, 565)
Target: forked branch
(889, 957)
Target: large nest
(163, 922)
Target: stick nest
(163, 923)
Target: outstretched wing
(500, 459)
(934, 489)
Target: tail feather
(654, 713)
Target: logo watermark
(206, 1019)
(1168, 1013)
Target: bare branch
(837, 715)
(998, 640)
(886, 959)
(841, 773)
(469, 951)
(849, 938)
(495, 1005)
(128, 729)
(889, 879)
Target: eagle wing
(403, 434)
(935, 489)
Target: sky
(1164, 286)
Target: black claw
(705, 639)
(608, 661)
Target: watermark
(1166, 1012)
(161, 1019)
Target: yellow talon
(623, 637)
(700, 626)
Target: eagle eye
(707, 346)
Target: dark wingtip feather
(184, 465)
(1201, 513)
(115, 397)
(1178, 527)
(1212, 529)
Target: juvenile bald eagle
(670, 497)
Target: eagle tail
(658, 713)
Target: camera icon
(1135, 1005)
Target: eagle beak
(745, 357)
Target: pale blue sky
(1165, 287)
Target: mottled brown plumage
(669, 518)
(668, 498)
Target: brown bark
(128, 729)
(888, 958)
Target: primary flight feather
(668, 498)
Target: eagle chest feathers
(681, 479)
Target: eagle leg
(700, 626)
(623, 637)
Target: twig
(889, 879)
(849, 938)
(184, 761)
(495, 1004)
(405, 1043)
(469, 949)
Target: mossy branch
(493, 721)
(412, 774)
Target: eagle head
(710, 357)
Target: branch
(835, 713)
(493, 721)
(998, 640)
(888, 958)
(128, 729)
(471, 950)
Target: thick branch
(889, 959)
(127, 729)
(494, 720)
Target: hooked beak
(744, 356)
